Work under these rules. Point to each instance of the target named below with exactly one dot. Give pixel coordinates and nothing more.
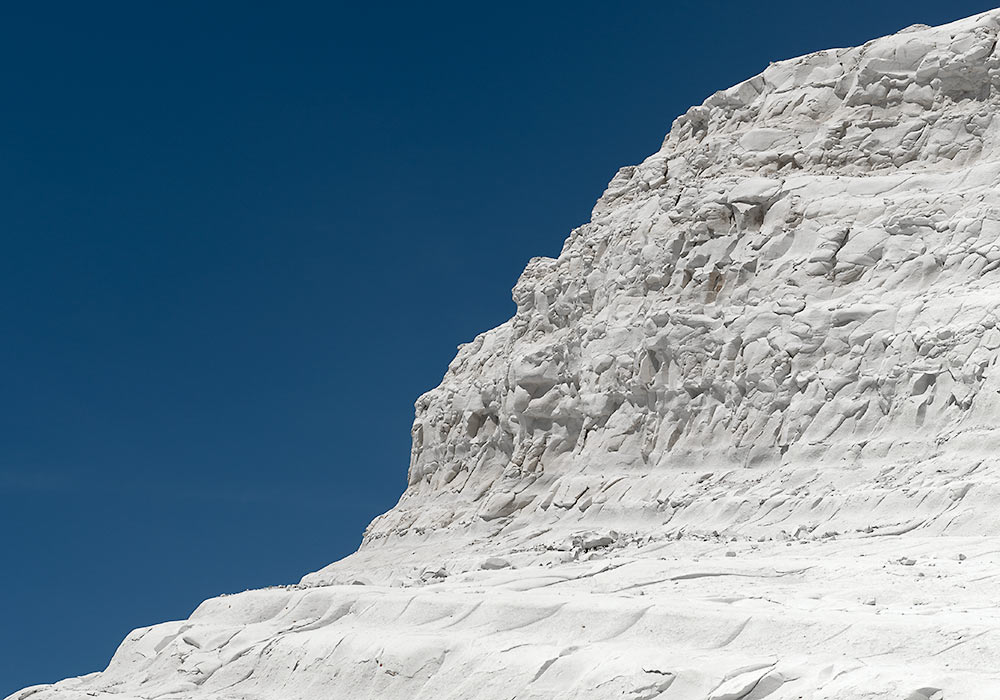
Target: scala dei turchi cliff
(740, 440)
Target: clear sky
(239, 240)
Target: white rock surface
(738, 441)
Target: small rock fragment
(494, 563)
(592, 541)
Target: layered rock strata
(738, 441)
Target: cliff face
(798, 288)
(739, 440)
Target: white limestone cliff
(739, 440)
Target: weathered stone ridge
(740, 439)
(802, 279)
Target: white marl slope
(739, 440)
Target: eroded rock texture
(796, 293)
(739, 440)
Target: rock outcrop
(739, 440)
(792, 300)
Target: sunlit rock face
(796, 293)
(739, 440)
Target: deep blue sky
(239, 241)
